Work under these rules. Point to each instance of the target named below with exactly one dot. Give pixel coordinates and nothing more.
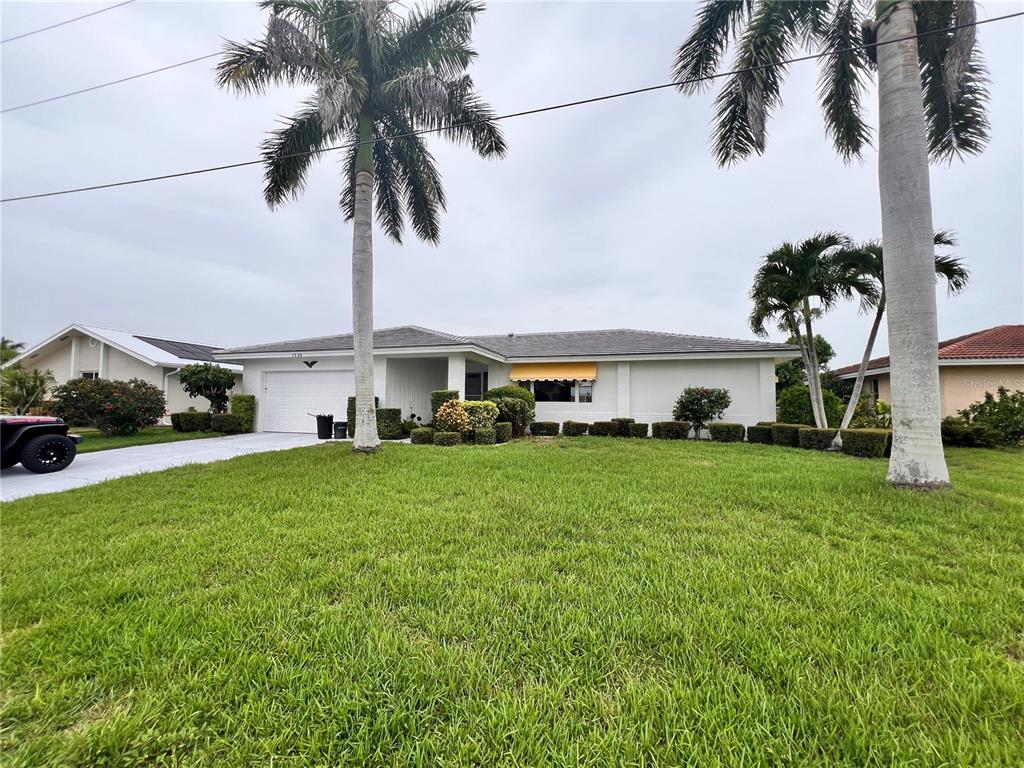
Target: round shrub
(447, 438)
(786, 434)
(761, 433)
(867, 443)
(422, 436)
(574, 428)
(451, 417)
(544, 428)
(638, 429)
(511, 390)
(814, 439)
(112, 407)
(726, 432)
(516, 412)
(700, 405)
(670, 430)
(502, 432)
(482, 413)
(485, 436)
(604, 428)
(228, 423)
(794, 406)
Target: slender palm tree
(867, 260)
(793, 276)
(375, 76)
(9, 349)
(931, 102)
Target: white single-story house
(90, 352)
(580, 375)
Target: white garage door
(290, 396)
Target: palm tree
(375, 75)
(789, 279)
(931, 101)
(867, 261)
(9, 349)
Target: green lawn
(94, 441)
(593, 601)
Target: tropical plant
(1002, 412)
(22, 388)
(379, 81)
(9, 349)
(701, 405)
(794, 406)
(931, 102)
(452, 417)
(867, 261)
(113, 407)
(209, 381)
(794, 371)
(793, 276)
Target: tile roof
(530, 345)
(1000, 342)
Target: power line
(66, 21)
(511, 115)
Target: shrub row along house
(575, 376)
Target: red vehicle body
(38, 443)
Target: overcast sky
(603, 216)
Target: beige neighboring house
(91, 352)
(969, 366)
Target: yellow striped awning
(553, 371)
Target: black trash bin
(324, 425)
(340, 430)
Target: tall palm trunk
(909, 256)
(858, 383)
(366, 438)
(813, 374)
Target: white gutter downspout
(167, 389)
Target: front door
(476, 385)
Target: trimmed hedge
(726, 432)
(574, 428)
(622, 426)
(439, 397)
(516, 412)
(868, 443)
(670, 430)
(351, 415)
(786, 434)
(638, 429)
(228, 423)
(244, 407)
(193, 421)
(511, 390)
(485, 436)
(762, 433)
(544, 428)
(604, 428)
(502, 432)
(814, 439)
(956, 431)
(422, 436)
(389, 423)
(447, 438)
(176, 422)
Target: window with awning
(557, 382)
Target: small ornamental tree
(701, 405)
(209, 381)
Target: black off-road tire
(48, 453)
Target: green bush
(786, 434)
(389, 423)
(485, 436)
(482, 414)
(794, 406)
(622, 426)
(670, 430)
(726, 432)
(112, 407)
(638, 429)
(869, 443)
(408, 425)
(516, 412)
(1003, 414)
(194, 421)
(439, 397)
(244, 407)
(176, 422)
(604, 428)
(511, 390)
(447, 438)
(574, 428)
(957, 432)
(700, 405)
(207, 380)
(23, 389)
(502, 431)
(422, 436)
(762, 433)
(452, 417)
(544, 428)
(350, 414)
(814, 439)
(228, 423)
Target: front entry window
(476, 385)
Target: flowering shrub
(113, 407)
(482, 413)
(452, 417)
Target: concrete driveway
(90, 468)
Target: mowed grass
(592, 601)
(94, 441)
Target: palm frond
(841, 82)
(955, 273)
(437, 37)
(416, 169)
(701, 53)
(341, 92)
(250, 68)
(288, 152)
(945, 237)
(387, 186)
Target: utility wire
(511, 115)
(66, 21)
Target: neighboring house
(969, 366)
(89, 352)
(584, 375)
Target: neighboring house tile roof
(1000, 342)
(534, 345)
